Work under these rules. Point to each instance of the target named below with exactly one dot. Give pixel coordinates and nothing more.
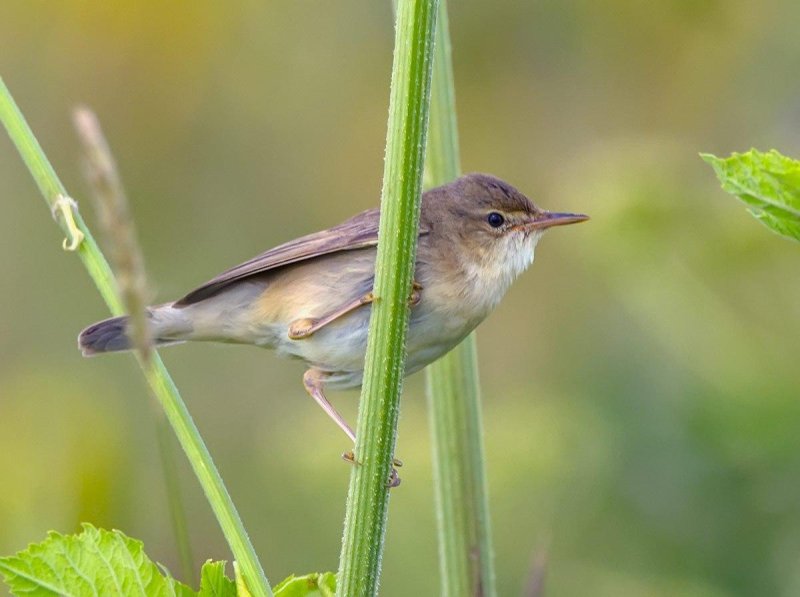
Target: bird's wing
(358, 232)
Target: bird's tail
(168, 326)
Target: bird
(309, 298)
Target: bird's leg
(303, 328)
(313, 381)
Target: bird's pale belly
(339, 347)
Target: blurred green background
(641, 382)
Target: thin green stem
(128, 267)
(177, 510)
(442, 161)
(368, 497)
(154, 370)
(466, 556)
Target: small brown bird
(309, 298)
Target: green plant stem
(442, 161)
(128, 267)
(466, 558)
(180, 528)
(154, 370)
(368, 496)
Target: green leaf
(94, 562)
(214, 583)
(312, 585)
(241, 587)
(769, 183)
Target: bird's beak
(548, 219)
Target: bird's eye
(495, 219)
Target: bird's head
(491, 227)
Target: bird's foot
(416, 295)
(302, 328)
(394, 479)
(350, 457)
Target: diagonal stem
(154, 370)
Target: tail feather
(105, 336)
(110, 335)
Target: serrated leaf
(311, 585)
(769, 183)
(94, 562)
(214, 583)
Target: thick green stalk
(154, 370)
(466, 557)
(368, 497)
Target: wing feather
(358, 232)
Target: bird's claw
(416, 296)
(394, 479)
(350, 458)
